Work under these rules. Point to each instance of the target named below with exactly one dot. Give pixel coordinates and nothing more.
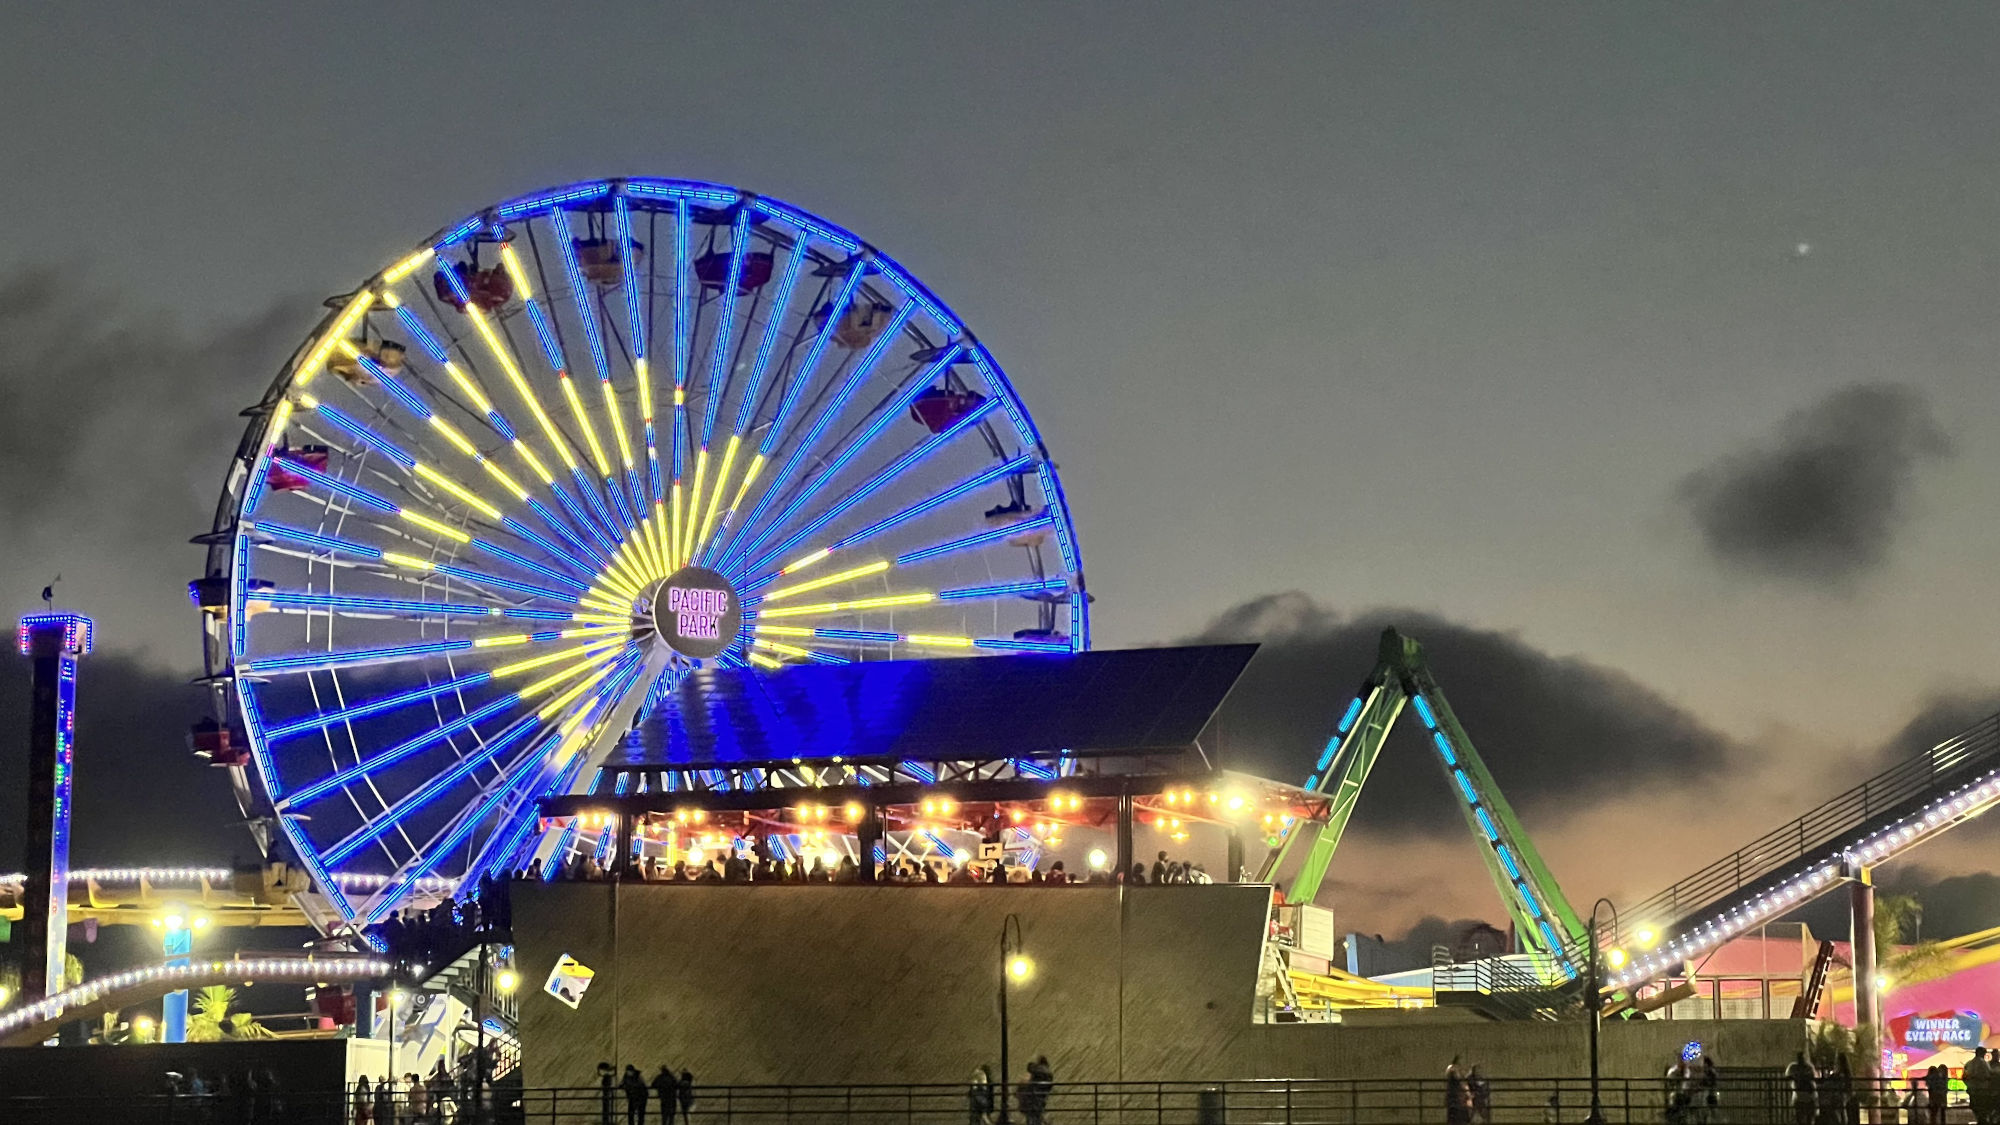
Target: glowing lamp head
(508, 980)
(174, 923)
(1881, 983)
(853, 810)
(1097, 859)
(200, 922)
(1019, 967)
(1614, 957)
(1646, 937)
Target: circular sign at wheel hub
(697, 613)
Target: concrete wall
(840, 984)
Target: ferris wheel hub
(693, 611)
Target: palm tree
(1898, 919)
(213, 1022)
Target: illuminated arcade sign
(1936, 1030)
(697, 613)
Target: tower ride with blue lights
(52, 642)
(516, 487)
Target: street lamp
(1594, 999)
(1015, 968)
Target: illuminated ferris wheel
(519, 484)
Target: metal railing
(1885, 797)
(1757, 1098)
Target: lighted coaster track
(516, 486)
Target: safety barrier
(1741, 1099)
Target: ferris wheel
(518, 485)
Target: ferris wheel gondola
(516, 486)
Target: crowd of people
(1468, 1096)
(1694, 1091)
(442, 1098)
(1031, 1094)
(429, 937)
(220, 1098)
(1834, 1095)
(750, 861)
(668, 1091)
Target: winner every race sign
(697, 612)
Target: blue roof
(1106, 702)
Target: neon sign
(1936, 1030)
(697, 613)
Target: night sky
(1639, 359)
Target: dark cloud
(116, 428)
(1552, 729)
(1953, 904)
(141, 798)
(1821, 499)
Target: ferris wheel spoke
(882, 418)
(725, 326)
(375, 503)
(295, 663)
(794, 389)
(419, 472)
(718, 369)
(986, 538)
(445, 840)
(360, 771)
(587, 314)
(784, 649)
(502, 353)
(552, 351)
(430, 790)
(382, 759)
(570, 736)
(747, 405)
(278, 732)
(937, 500)
(744, 543)
(460, 443)
(881, 479)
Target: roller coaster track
(1910, 802)
(28, 1024)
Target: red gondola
(937, 408)
(489, 288)
(282, 479)
(712, 270)
(213, 741)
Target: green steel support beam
(1342, 769)
(1542, 915)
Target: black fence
(1739, 1100)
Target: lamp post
(395, 1010)
(1014, 967)
(1594, 999)
(479, 1017)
